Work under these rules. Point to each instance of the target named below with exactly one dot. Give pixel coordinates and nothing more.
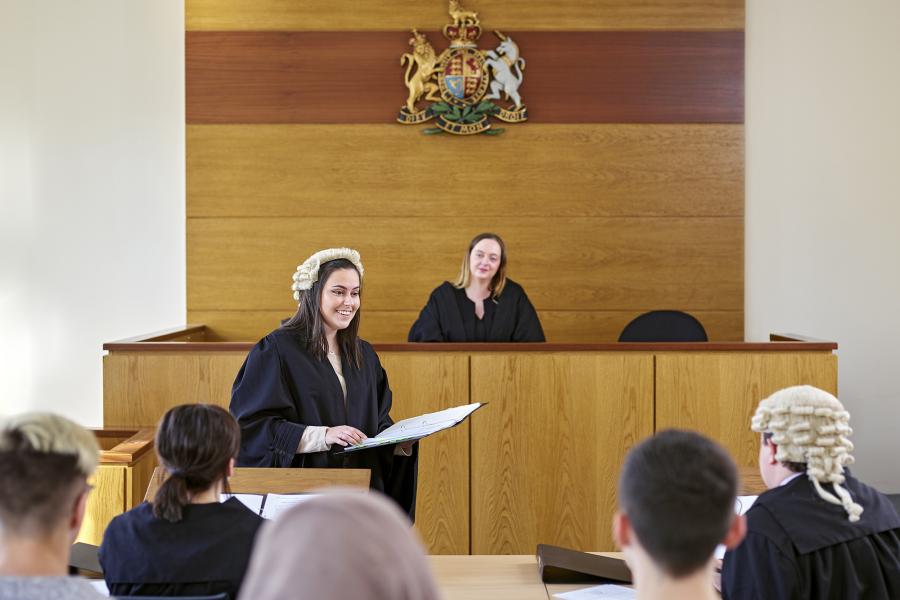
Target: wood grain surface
(547, 450)
(106, 500)
(717, 394)
(251, 480)
(138, 388)
(563, 263)
(571, 77)
(392, 171)
(390, 326)
(327, 15)
(423, 384)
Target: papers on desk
(417, 427)
(606, 592)
(100, 586)
(269, 506)
(741, 505)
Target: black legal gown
(800, 546)
(205, 553)
(281, 389)
(449, 316)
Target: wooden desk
(491, 577)
(540, 463)
(248, 480)
(126, 462)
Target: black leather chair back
(664, 326)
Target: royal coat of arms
(462, 81)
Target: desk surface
(496, 576)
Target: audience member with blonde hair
(45, 462)
(818, 532)
(185, 543)
(337, 546)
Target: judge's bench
(539, 464)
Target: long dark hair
(498, 281)
(308, 318)
(194, 442)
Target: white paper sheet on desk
(278, 503)
(606, 591)
(100, 586)
(421, 426)
(741, 505)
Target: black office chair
(222, 596)
(664, 326)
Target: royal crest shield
(463, 80)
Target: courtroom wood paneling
(392, 171)
(547, 450)
(717, 394)
(106, 500)
(254, 480)
(139, 388)
(327, 15)
(387, 326)
(586, 263)
(571, 77)
(423, 384)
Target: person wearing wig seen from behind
(312, 384)
(185, 543)
(484, 305)
(818, 532)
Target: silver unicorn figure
(507, 66)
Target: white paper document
(269, 506)
(418, 427)
(741, 505)
(605, 591)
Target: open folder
(416, 428)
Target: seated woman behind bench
(482, 306)
(186, 543)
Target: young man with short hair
(676, 496)
(45, 461)
(817, 533)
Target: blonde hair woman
(483, 305)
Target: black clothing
(205, 553)
(449, 316)
(281, 389)
(800, 546)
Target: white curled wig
(308, 272)
(810, 426)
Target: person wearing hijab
(312, 386)
(186, 542)
(818, 532)
(484, 305)
(337, 546)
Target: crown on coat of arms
(463, 80)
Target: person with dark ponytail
(312, 386)
(185, 542)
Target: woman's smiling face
(340, 299)
(484, 260)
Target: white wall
(91, 191)
(823, 199)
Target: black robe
(205, 553)
(449, 316)
(800, 546)
(281, 389)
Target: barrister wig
(810, 426)
(308, 272)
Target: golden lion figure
(461, 16)
(420, 83)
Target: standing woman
(185, 543)
(312, 384)
(482, 306)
